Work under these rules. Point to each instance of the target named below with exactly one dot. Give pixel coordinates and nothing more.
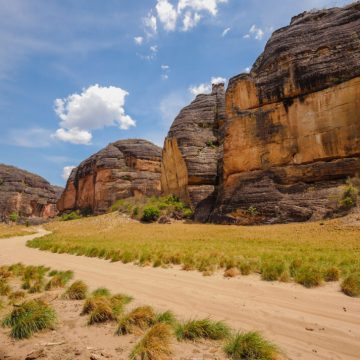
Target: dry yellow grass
(293, 247)
(14, 230)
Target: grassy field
(306, 253)
(14, 230)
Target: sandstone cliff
(123, 169)
(293, 124)
(192, 154)
(27, 194)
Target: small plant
(150, 214)
(77, 291)
(351, 285)
(309, 276)
(101, 292)
(202, 329)
(101, 313)
(252, 211)
(140, 318)
(59, 279)
(17, 269)
(349, 196)
(5, 288)
(155, 345)
(272, 271)
(332, 274)
(16, 295)
(74, 215)
(30, 317)
(245, 268)
(232, 272)
(166, 317)
(14, 217)
(250, 346)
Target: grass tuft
(232, 272)
(141, 318)
(272, 271)
(332, 274)
(155, 345)
(59, 279)
(5, 288)
(250, 346)
(166, 317)
(202, 329)
(101, 292)
(309, 276)
(77, 291)
(351, 285)
(28, 318)
(102, 312)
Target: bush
(59, 279)
(150, 214)
(102, 312)
(202, 329)
(77, 291)
(166, 317)
(14, 217)
(30, 317)
(351, 285)
(155, 345)
(272, 271)
(101, 292)
(74, 215)
(309, 276)
(250, 346)
(349, 196)
(332, 274)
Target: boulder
(26, 194)
(126, 168)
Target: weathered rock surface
(193, 151)
(293, 124)
(123, 169)
(26, 194)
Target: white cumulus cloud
(166, 14)
(201, 5)
(255, 32)
(190, 20)
(218, 80)
(67, 171)
(150, 23)
(206, 88)
(95, 108)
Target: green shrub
(202, 329)
(351, 285)
(250, 346)
(14, 217)
(150, 214)
(140, 318)
(59, 279)
(272, 271)
(155, 345)
(348, 197)
(30, 317)
(74, 215)
(166, 317)
(332, 274)
(101, 292)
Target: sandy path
(307, 324)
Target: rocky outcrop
(293, 124)
(123, 169)
(26, 194)
(192, 154)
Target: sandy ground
(319, 323)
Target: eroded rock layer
(26, 194)
(293, 128)
(193, 151)
(123, 169)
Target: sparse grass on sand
(305, 252)
(351, 285)
(250, 346)
(28, 318)
(11, 230)
(76, 291)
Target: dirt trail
(319, 323)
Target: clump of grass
(101, 292)
(5, 288)
(309, 276)
(141, 318)
(351, 285)
(30, 317)
(16, 295)
(102, 312)
(17, 269)
(59, 279)
(332, 274)
(232, 272)
(250, 346)
(34, 278)
(202, 329)
(155, 345)
(271, 271)
(77, 291)
(4, 272)
(245, 268)
(166, 317)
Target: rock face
(123, 169)
(293, 124)
(192, 154)
(27, 194)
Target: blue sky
(76, 75)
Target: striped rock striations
(123, 169)
(293, 124)
(26, 194)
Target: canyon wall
(26, 194)
(123, 169)
(293, 124)
(192, 154)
